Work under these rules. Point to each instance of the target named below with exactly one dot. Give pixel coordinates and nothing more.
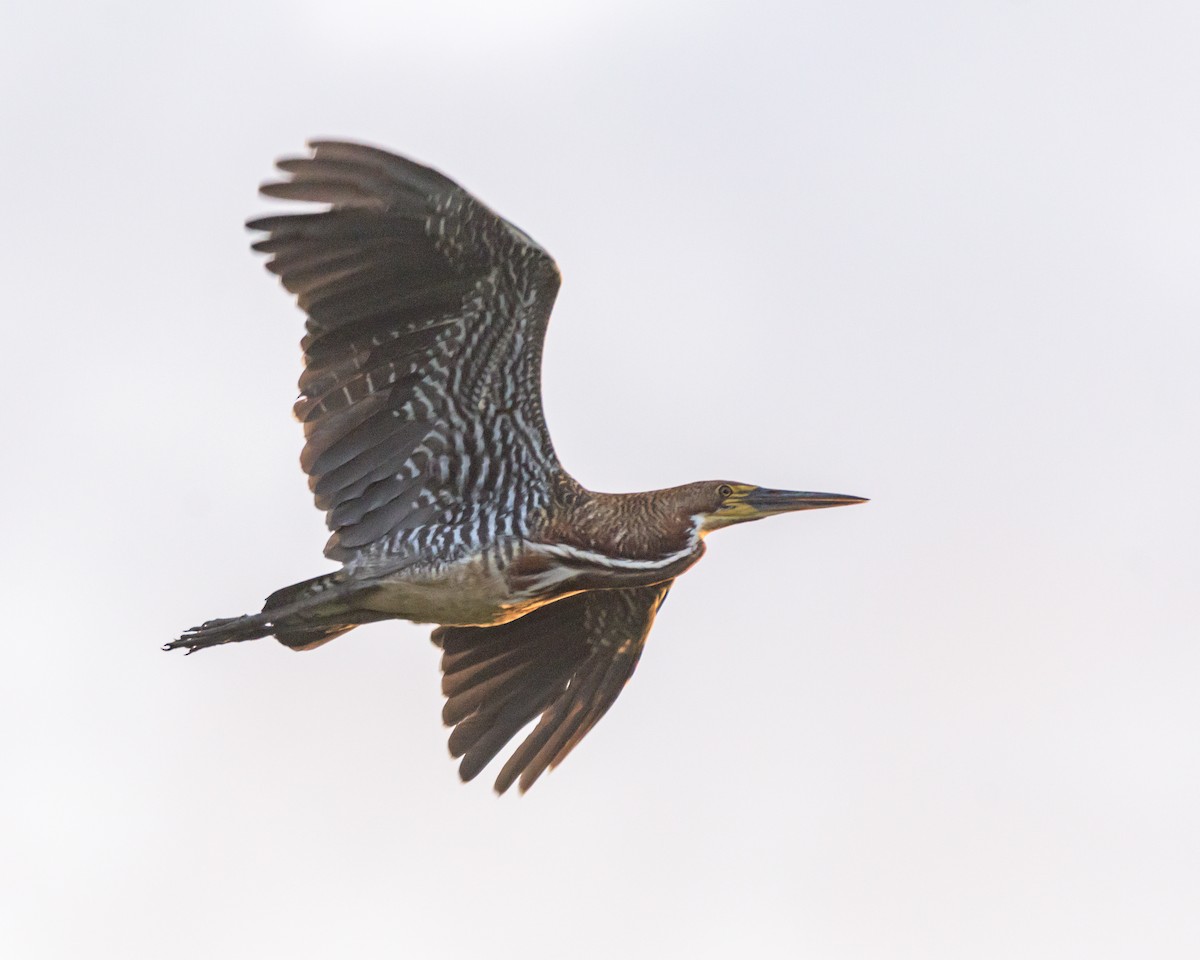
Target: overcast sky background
(941, 255)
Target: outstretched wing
(566, 661)
(421, 393)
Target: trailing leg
(301, 616)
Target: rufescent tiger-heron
(426, 445)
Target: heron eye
(724, 491)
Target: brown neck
(633, 525)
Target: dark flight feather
(566, 662)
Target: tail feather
(312, 637)
(306, 592)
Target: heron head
(727, 503)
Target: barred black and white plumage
(421, 394)
(427, 448)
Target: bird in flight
(426, 446)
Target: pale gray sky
(942, 255)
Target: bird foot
(213, 633)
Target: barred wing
(566, 661)
(421, 393)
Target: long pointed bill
(764, 503)
(747, 502)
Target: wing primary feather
(337, 224)
(400, 169)
(364, 177)
(616, 676)
(500, 686)
(577, 702)
(302, 260)
(318, 191)
(498, 731)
